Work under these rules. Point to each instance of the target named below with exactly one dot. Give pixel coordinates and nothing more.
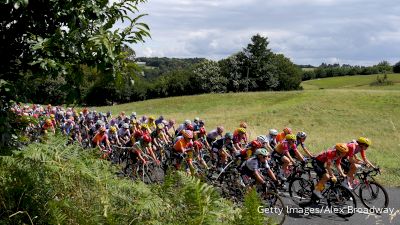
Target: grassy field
(351, 82)
(328, 116)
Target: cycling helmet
(133, 114)
(220, 129)
(146, 138)
(160, 126)
(187, 134)
(273, 132)
(290, 137)
(256, 144)
(201, 122)
(48, 121)
(243, 125)
(202, 130)
(241, 130)
(113, 129)
(301, 134)
(190, 127)
(52, 116)
(164, 122)
(187, 122)
(151, 118)
(287, 130)
(133, 121)
(341, 147)
(262, 139)
(125, 125)
(229, 135)
(364, 140)
(198, 144)
(145, 126)
(196, 119)
(262, 151)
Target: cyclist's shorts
(319, 167)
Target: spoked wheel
(342, 200)
(373, 194)
(300, 190)
(277, 213)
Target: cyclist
(350, 161)
(281, 136)
(300, 139)
(158, 136)
(253, 166)
(269, 140)
(196, 124)
(182, 127)
(101, 138)
(283, 156)
(113, 136)
(222, 148)
(198, 148)
(48, 125)
(201, 136)
(238, 136)
(181, 146)
(251, 148)
(322, 165)
(151, 123)
(124, 134)
(213, 135)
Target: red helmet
(190, 127)
(202, 130)
(146, 138)
(198, 144)
(256, 144)
(287, 130)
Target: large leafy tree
(259, 67)
(54, 38)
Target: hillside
(351, 82)
(328, 116)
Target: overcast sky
(356, 32)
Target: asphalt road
(362, 218)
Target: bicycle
(338, 197)
(370, 190)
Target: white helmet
(273, 132)
(262, 139)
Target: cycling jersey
(236, 137)
(252, 165)
(99, 138)
(354, 149)
(181, 145)
(301, 143)
(329, 155)
(280, 137)
(283, 148)
(219, 144)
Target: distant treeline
(335, 70)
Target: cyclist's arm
(364, 157)
(259, 177)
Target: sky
(355, 32)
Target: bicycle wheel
(373, 195)
(277, 212)
(300, 190)
(342, 201)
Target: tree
(288, 74)
(208, 78)
(396, 67)
(52, 38)
(259, 67)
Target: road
(389, 218)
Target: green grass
(328, 116)
(352, 82)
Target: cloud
(307, 31)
